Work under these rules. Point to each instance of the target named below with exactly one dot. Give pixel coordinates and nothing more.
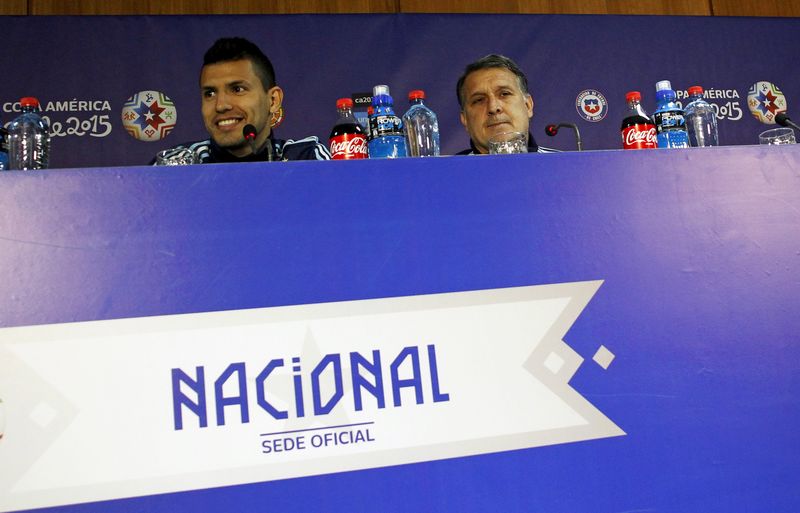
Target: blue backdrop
(103, 60)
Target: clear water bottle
(422, 127)
(3, 149)
(668, 118)
(29, 138)
(386, 136)
(701, 120)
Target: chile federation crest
(591, 105)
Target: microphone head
(782, 119)
(551, 130)
(249, 132)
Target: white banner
(110, 409)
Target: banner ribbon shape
(121, 408)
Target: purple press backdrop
(86, 67)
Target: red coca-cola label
(348, 146)
(639, 136)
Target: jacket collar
(219, 154)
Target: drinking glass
(508, 142)
(777, 136)
(184, 157)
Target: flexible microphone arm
(783, 120)
(552, 130)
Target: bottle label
(348, 146)
(669, 120)
(385, 125)
(639, 136)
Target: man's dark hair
(491, 61)
(238, 48)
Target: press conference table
(697, 252)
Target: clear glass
(508, 142)
(777, 136)
(183, 157)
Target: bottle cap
(344, 103)
(663, 85)
(29, 101)
(665, 94)
(633, 95)
(416, 94)
(380, 89)
(695, 90)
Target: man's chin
(230, 144)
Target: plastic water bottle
(422, 127)
(386, 136)
(3, 149)
(29, 138)
(701, 120)
(669, 120)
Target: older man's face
(494, 103)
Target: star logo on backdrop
(765, 100)
(149, 115)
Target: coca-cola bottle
(638, 131)
(347, 140)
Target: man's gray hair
(491, 61)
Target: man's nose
(494, 105)
(222, 103)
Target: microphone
(249, 132)
(552, 130)
(783, 120)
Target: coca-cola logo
(636, 136)
(345, 147)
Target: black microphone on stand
(552, 130)
(249, 133)
(783, 120)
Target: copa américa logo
(765, 100)
(591, 105)
(149, 115)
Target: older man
(238, 90)
(494, 98)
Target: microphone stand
(552, 130)
(783, 120)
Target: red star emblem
(155, 120)
(769, 102)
